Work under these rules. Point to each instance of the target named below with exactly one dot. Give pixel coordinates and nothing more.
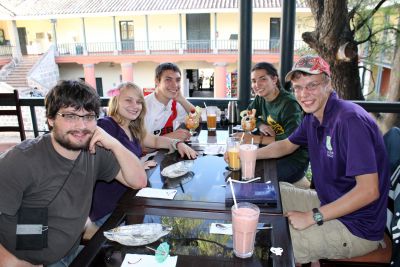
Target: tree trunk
(332, 29)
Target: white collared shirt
(157, 114)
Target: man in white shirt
(167, 104)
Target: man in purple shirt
(345, 215)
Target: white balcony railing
(170, 47)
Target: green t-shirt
(283, 115)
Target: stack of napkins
(157, 193)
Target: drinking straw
(241, 138)
(252, 140)
(205, 104)
(233, 193)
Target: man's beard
(64, 142)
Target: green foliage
(202, 243)
(305, 50)
(380, 32)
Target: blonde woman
(125, 122)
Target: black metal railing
(370, 106)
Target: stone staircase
(17, 77)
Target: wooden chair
(13, 110)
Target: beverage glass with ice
(211, 118)
(232, 147)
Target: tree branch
(310, 39)
(367, 18)
(371, 34)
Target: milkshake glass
(244, 227)
(248, 157)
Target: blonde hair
(136, 127)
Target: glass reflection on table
(190, 237)
(203, 183)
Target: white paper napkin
(223, 229)
(138, 260)
(215, 149)
(157, 193)
(237, 128)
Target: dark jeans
(392, 143)
(289, 172)
(67, 260)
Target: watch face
(317, 216)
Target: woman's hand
(149, 164)
(185, 150)
(181, 134)
(266, 130)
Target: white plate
(178, 169)
(137, 234)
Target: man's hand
(266, 130)
(103, 139)
(180, 134)
(179, 97)
(226, 157)
(300, 220)
(185, 150)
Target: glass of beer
(233, 149)
(211, 118)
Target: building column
(220, 80)
(85, 50)
(90, 77)
(115, 37)
(147, 35)
(127, 72)
(54, 30)
(14, 39)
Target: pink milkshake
(244, 226)
(248, 157)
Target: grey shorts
(332, 240)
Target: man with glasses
(46, 183)
(345, 215)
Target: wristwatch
(317, 216)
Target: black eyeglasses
(70, 117)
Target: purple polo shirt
(106, 195)
(347, 143)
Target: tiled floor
(203, 93)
